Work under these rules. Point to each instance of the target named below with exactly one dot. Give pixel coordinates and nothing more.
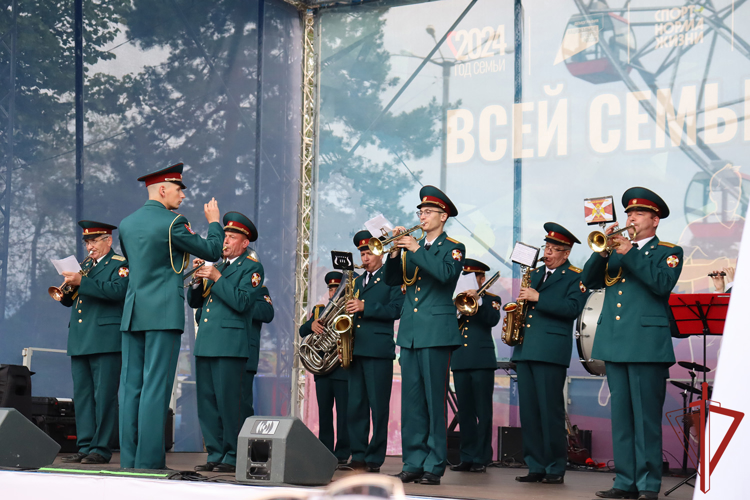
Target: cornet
(599, 241)
(197, 281)
(58, 292)
(378, 247)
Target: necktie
(549, 273)
(635, 245)
(427, 246)
(367, 278)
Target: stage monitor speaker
(510, 445)
(23, 444)
(15, 388)
(278, 450)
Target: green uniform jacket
(478, 349)
(428, 317)
(373, 327)
(306, 329)
(95, 319)
(226, 315)
(634, 323)
(548, 331)
(262, 313)
(155, 297)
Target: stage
(496, 484)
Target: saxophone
(320, 353)
(515, 314)
(343, 324)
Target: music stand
(698, 314)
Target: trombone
(58, 292)
(378, 247)
(599, 241)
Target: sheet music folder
(699, 313)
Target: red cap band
(169, 177)
(434, 201)
(96, 230)
(239, 227)
(643, 203)
(554, 235)
(334, 281)
(472, 269)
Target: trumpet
(197, 281)
(469, 306)
(58, 292)
(599, 241)
(378, 247)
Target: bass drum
(586, 332)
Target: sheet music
(466, 282)
(68, 264)
(524, 254)
(376, 223)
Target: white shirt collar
(230, 261)
(642, 243)
(548, 270)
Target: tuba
(467, 305)
(320, 353)
(58, 292)
(515, 314)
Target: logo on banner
(599, 210)
(266, 427)
(699, 412)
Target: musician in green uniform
(427, 335)
(94, 342)
(227, 297)
(633, 338)
(473, 365)
(555, 298)
(157, 243)
(262, 313)
(371, 369)
(332, 388)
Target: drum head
(586, 332)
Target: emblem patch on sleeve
(496, 305)
(123, 272)
(673, 261)
(256, 279)
(457, 255)
(189, 230)
(582, 286)
(268, 299)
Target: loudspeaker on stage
(278, 450)
(23, 444)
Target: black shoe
(373, 468)
(94, 458)
(343, 461)
(356, 465)
(225, 468)
(207, 467)
(409, 477)
(648, 495)
(461, 467)
(531, 477)
(74, 459)
(478, 468)
(430, 479)
(615, 493)
(553, 479)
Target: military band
(127, 317)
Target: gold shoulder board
(666, 244)
(117, 257)
(251, 258)
(575, 269)
(452, 240)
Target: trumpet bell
(376, 247)
(56, 293)
(466, 305)
(597, 241)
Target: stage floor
(496, 484)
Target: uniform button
(467, 320)
(623, 280)
(533, 307)
(80, 321)
(79, 311)
(530, 316)
(419, 279)
(419, 289)
(415, 309)
(358, 326)
(619, 293)
(619, 305)
(646, 252)
(528, 326)
(208, 310)
(205, 320)
(210, 300)
(617, 318)
(416, 299)
(80, 301)
(466, 345)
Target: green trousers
(369, 394)
(219, 390)
(149, 364)
(424, 389)
(248, 410)
(328, 392)
(474, 390)
(637, 397)
(542, 410)
(95, 381)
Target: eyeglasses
(427, 213)
(95, 240)
(554, 249)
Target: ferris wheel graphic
(646, 46)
